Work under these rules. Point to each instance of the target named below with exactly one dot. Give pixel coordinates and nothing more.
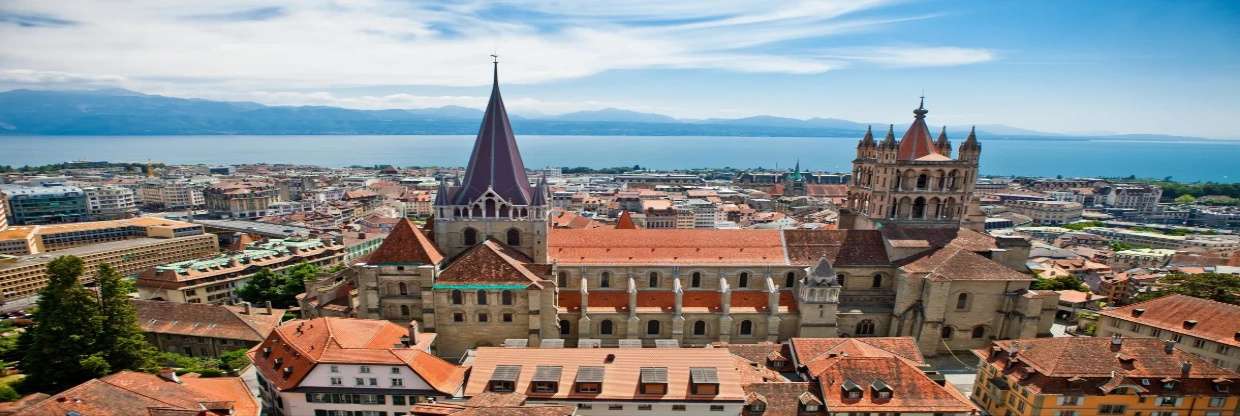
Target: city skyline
(1097, 67)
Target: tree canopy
(1060, 283)
(1214, 286)
(281, 289)
(60, 347)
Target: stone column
(584, 329)
(725, 309)
(678, 318)
(634, 324)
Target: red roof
(1215, 321)
(406, 245)
(916, 142)
(133, 393)
(625, 222)
(666, 246)
(911, 390)
(490, 262)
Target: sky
(1061, 66)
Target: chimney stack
(269, 307)
(246, 308)
(1168, 346)
(1117, 340)
(169, 374)
(413, 333)
(1186, 367)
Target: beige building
(1152, 258)
(34, 239)
(215, 279)
(1200, 326)
(240, 199)
(169, 194)
(1047, 212)
(204, 330)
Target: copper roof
(405, 245)
(1215, 321)
(495, 163)
(205, 320)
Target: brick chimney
(245, 308)
(268, 307)
(413, 333)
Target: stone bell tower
(818, 300)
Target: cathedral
(908, 259)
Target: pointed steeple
(971, 141)
(943, 144)
(916, 141)
(443, 195)
(823, 273)
(540, 192)
(495, 162)
(625, 222)
(890, 140)
(868, 140)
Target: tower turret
(818, 297)
(970, 149)
(866, 144)
(943, 145)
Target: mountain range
(124, 112)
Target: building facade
(170, 194)
(240, 199)
(204, 330)
(215, 279)
(110, 202)
(47, 204)
(1203, 327)
(1048, 212)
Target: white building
(170, 194)
(110, 202)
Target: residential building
(43, 238)
(1140, 197)
(47, 204)
(110, 202)
(22, 277)
(170, 194)
(240, 199)
(1048, 212)
(4, 212)
(1072, 302)
(1222, 244)
(1100, 376)
(215, 279)
(1141, 257)
(341, 365)
(199, 330)
(507, 404)
(129, 393)
(650, 180)
(1203, 327)
(609, 381)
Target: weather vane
(494, 58)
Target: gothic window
(746, 327)
(503, 211)
(565, 329)
(404, 310)
(605, 280)
(696, 280)
(456, 297)
(979, 331)
(404, 289)
(699, 328)
(471, 236)
(652, 328)
(505, 297)
(514, 237)
(947, 332)
(562, 279)
(490, 208)
(482, 297)
(743, 280)
(653, 279)
(922, 181)
(839, 278)
(456, 212)
(606, 327)
(878, 281)
(865, 327)
(962, 301)
(790, 279)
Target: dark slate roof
(495, 161)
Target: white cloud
(917, 56)
(31, 76)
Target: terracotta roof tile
(133, 393)
(490, 262)
(781, 399)
(912, 390)
(204, 320)
(406, 245)
(808, 350)
(1216, 321)
(953, 263)
(841, 247)
(666, 246)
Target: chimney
(1168, 346)
(413, 333)
(1185, 368)
(1138, 311)
(269, 307)
(246, 308)
(361, 236)
(169, 374)
(1117, 340)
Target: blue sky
(1062, 66)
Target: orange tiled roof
(490, 262)
(954, 263)
(406, 245)
(912, 390)
(625, 222)
(671, 246)
(204, 320)
(841, 247)
(132, 393)
(781, 399)
(1215, 321)
(809, 350)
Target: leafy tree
(281, 289)
(121, 341)
(235, 360)
(1185, 199)
(1214, 286)
(59, 346)
(1060, 283)
(1121, 246)
(7, 394)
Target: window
(652, 328)
(395, 370)
(403, 288)
(365, 369)
(584, 406)
(1222, 349)
(588, 387)
(457, 298)
(865, 327)
(653, 280)
(645, 407)
(606, 327)
(746, 327)
(458, 317)
(482, 317)
(947, 332)
(604, 280)
(743, 280)
(757, 407)
(716, 408)
(790, 279)
(1111, 409)
(505, 297)
(482, 297)
(397, 382)
(877, 281)
(1218, 401)
(562, 279)
(1177, 337)
(696, 280)
(565, 329)
(962, 301)
(337, 381)
(404, 310)
(471, 236)
(699, 328)
(839, 278)
(1155, 332)
(507, 317)
(1168, 401)
(1134, 327)
(615, 407)
(398, 400)
(373, 381)
(1199, 343)
(978, 332)
(678, 408)
(335, 368)
(359, 381)
(514, 237)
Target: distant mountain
(123, 112)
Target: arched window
(746, 327)
(922, 181)
(696, 280)
(456, 297)
(839, 278)
(505, 297)
(790, 279)
(562, 279)
(947, 332)
(404, 289)
(743, 280)
(482, 297)
(490, 208)
(503, 211)
(514, 237)
(606, 327)
(919, 207)
(477, 213)
(471, 236)
(653, 279)
(699, 328)
(605, 280)
(878, 280)
(565, 329)
(865, 327)
(979, 332)
(962, 301)
(404, 310)
(652, 328)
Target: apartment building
(200, 330)
(47, 204)
(110, 202)
(1203, 327)
(1047, 212)
(1221, 244)
(24, 240)
(22, 277)
(1117, 375)
(170, 194)
(215, 279)
(1141, 257)
(129, 393)
(240, 199)
(1143, 198)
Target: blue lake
(1200, 160)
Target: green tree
(1060, 283)
(235, 360)
(7, 394)
(1185, 199)
(1214, 286)
(121, 341)
(59, 346)
(281, 289)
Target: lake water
(1200, 160)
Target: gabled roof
(810, 351)
(206, 320)
(781, 399)
(911, 389)
(954, 263)
(495, 163)
(133, 393)
(1215, 321)
(491, 262)
(406, 245)
(625, 222)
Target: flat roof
(91, 249)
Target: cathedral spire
(495, 162)
(943, 144)
(868, 140)
(916, 142)
(890, 140)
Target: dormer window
(704, 380)
(276, 363)
(881, 390)
(589, 379)
(504, 379)
(653, 380)
(808, 403)
(266, 352)
(546, 379)
(851, 390)
(288, 371)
